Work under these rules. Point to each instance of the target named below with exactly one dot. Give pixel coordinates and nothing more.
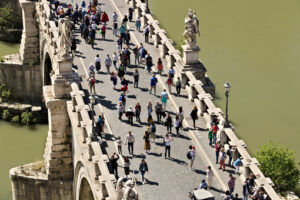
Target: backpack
(188, 155)
(153, 129)
(121, 68)
(228, 152)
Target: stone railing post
(133, 4)
(223, 137)
(78, 118)
(203, 108)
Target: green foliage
(2, 59)
(278, 163)
(6, 18)
(27, 118)
(6, 115)
(4, 93)
(178, 45)
(15, 119)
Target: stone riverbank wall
(200, 92)
(17, 11)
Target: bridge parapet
(89, 153)
(200, 91)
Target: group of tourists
(91, 18)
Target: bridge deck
(167, 178)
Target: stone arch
(82, 189)
(47, 69)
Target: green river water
(255, 46)
(252, 44)
(18, 144)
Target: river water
(19, 145)
(255, 46)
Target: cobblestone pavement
(167, 178)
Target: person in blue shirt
(237, 163)
(153, 82)
(203, 185)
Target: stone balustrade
(97, 160)
(200, 94)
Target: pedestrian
(203, 185)
(192, 153)
(138, 110)
(146, 32)
(169, 83)
(124, 21)
(130, 114)
(158, 111)
(215, 129)
(108, 63)
(120, 109)
(100, 124)
(150, 120)
(246, 189)
(115, 17)
(177, 124)
(149, 108)
(251, 182)
(128, 55)
(226, 195)
(209, 176)
(119, 44)
(152, 131)
(164, 97)
(114, 79)
(115, 60)
(119, 145)
(180, 115)
(210, 136)
(126, 166)
(222, 157)
(138, 24)
(218, 147)
(114, 164)
(130, 13)
(159, 66)
(143, 53)
(168, 140)
(136, 77)
(122, 30)
(194, 115)
(231, 184)
(98, 63)
(127, 37)
(237, 163)
(73, 47)
(143, 169)
(124, 85)
(122, 98)
(153, 82)
(104, 18)
(229, 153)
(115, 28)
(103, 31)
(236, 197)
(130, 140)
(168, 123)
(147, 145)
(136, 55)
(171, 72)
(92, 82)
(86, 33)
(91, 37)
(149, 62)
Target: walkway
(167, 178)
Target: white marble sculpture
(125, 190)
(64, 27)
(191, 30)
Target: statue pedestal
(190, 63)
(64, 65)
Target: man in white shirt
(168, 140)
(130, 141)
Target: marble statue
(191, 30)
(64, 27)
(125, 190)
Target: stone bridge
(74, 166)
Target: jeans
(143, 174)
(130, 119)
(231, 191)
(167, 150)
(217, 156)
(214, 138)
(194, 123)
(245, 197)
(115, 64)
(158, 114)
(229, 160)
(137, 115)
(120, 149)
(130, 147)
(136, 83)
(178, 90)
(136, 60)
(177, 130)
(169, 128)
(210, 141)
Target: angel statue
(125, 190)
(191, 29)
(64, 27)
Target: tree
(6, 18)
(278, 163)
